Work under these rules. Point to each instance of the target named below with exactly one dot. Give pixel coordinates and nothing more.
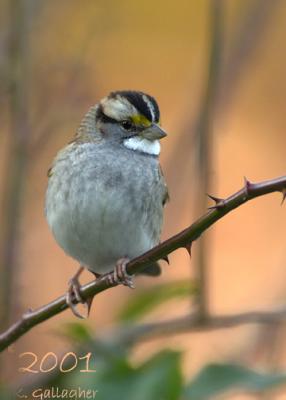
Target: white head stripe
(150, 106)
(118, 108)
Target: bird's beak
(153, 132)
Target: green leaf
(77, 332)
(111, 368)
(159, 378)
(216, 379)
(146, 300)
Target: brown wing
(154, 269)
(50, 172)
(166, 196)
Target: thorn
(219, 203)
(88, 304)
(283, 191)
(166, 258)
(247, 185)
(188, 247)
(215, 199)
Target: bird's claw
(73, 297)
(120, 275)
(74, 291)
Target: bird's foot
(120, 275)
(73, 296)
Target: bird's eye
(127, 125)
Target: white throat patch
(143, 145)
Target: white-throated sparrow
(106, 191)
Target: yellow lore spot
(140, 119)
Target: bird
(106, 191)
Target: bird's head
(131, 119)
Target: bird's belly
(97, 229)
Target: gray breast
(103, 205)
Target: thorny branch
(182, 239)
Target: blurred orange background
(76, 53)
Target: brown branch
(17, 160)
(182, 239)
(130, 335)
(204, 144)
